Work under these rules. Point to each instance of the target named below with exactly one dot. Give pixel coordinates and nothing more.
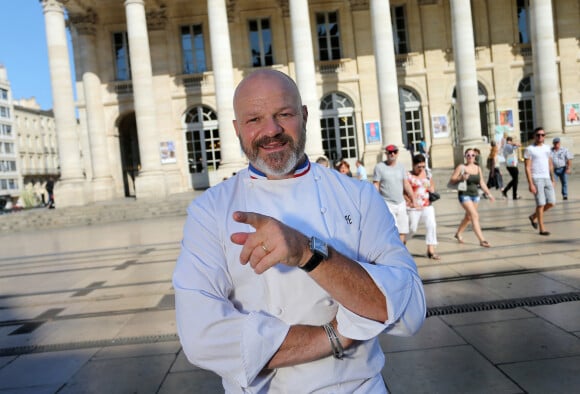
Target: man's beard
(278, 163)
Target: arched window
(338, 127)
(526, 109)
(486, 115)
(202, 142)
(412, 121)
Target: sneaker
(504, 194)
(565, 197)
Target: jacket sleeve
(390, 265)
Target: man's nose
(272, 126)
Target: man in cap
(562, 159)
(390, 179)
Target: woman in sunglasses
(469, 199)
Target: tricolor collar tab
(300, 171)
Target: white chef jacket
(231, 320)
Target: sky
(23, 50)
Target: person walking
(422, 184)
(390, 179)
(495, 179)
(273, 290)
(510, 152)
(361, 171)
(469, 199)
(50, 190)
(562, 161)
(540, 175)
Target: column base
(103, 189)
(70, 193)
(150, 185)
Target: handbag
(434, 196)
(459, 186)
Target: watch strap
(314, 261)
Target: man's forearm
(351, 286)
(302, 344)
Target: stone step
(127, 209)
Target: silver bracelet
(337, 349)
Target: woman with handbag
(423, 187)
(468, 195)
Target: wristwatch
(319, 250)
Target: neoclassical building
(155, 78)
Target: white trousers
(427, 216)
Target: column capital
(359, 5)
(284, 7)
(127, 2)
(53, 5)
(84, 24)
(231, 10)
(157, 19)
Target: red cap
(391, 148)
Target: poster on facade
(167, 152)
(506, 118)
(572, 112)
(439, 126)
(373, 132)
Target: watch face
(319, 246)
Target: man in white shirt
(361, 171)
(284, 281)
(539, 171)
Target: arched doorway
(129, 146)
(412, 120)
(526, 109)
(338, 128)
(202, 141)
(486, 115)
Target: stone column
(386, 65)
(546, 85)
(70, 188)
(150, 181)
(465, 73)
(306, 74)
(232, 157)
(102, 182)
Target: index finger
(254, 219)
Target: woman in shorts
(469, 199)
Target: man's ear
(235, 123)
(305, 113)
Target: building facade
(155, 80)
(10, 184)
(37, 149)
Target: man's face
(539, 136)
(392, 156)
(271, 124)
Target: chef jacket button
(278, 311)
(328, 302)
(323, 210)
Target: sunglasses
(540, 135)
(420, 167)
(393, 153)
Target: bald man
(283, 277)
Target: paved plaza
(90, 309)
